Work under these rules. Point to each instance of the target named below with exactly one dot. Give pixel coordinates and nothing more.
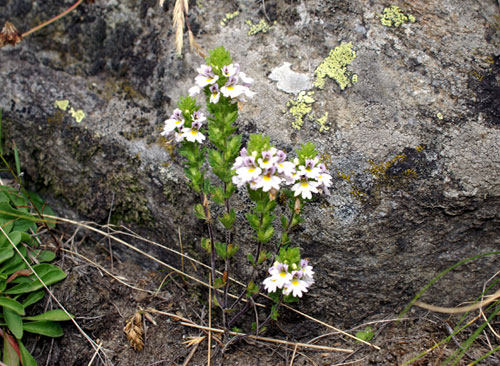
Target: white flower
(268, 181)
(230, 70)
(296, 287)
(205, 76)
(270, 284)
(192, 135)
(214, 94)
(194, 91)
(281, 275)
(305, 188)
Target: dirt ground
(103, 304)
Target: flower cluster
(228, 81)
(269, 169)
(292, 279)
(177, 126)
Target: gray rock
(413, 145)
(290, 81)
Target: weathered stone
(413, 140)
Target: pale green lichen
(394, 17)
(300, 107)
(62, 104)
(322, 122)
(335, 66)
(77, 115)
(260, 27)
(228, 17)
(439, 115)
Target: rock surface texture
(410, 130)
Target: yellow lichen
(300, 107)
(439, 115)
(228, 17)
(322, 122)
(419, 148)
(260, 27)
(394, 17)
(62, 104)
(78, 115)
(334, 66)
(379, 170)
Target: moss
(335, 66)
(300, 107)
(228, 17)
(57, 118)
(394, 17)
(260, 27)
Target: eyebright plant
(265, 171)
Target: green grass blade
(435, 279)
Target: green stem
(38, 27)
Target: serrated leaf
(14, 322)
(56, 315)
(220, 249)
(199, 211)
(12, 304)
(46, 328)
(228, 219)
(251, 259)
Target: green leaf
(199, 211)
(46, 328)
(232, 250)
(56, 315)
(265, 235)
(46, 256)
(14, 322)
(218, 195)
(26, 357)
(228, 219)
(308, 151)
(49, 274)
(263, 256)
(218, 58)
(205, 244)
(258, 143)
(33, 298)
(6, 253)
(12, 305)
(253, 220)
(10, 357)
(365, 335)
(220, 249)
(251, 259)
(284, 222)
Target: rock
(289, 81)
(412, 140)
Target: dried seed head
(10, 35)
(134, 331)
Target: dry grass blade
(180, 10)
(271, 340)
(191, 341)
(134, 331)
(89, 227)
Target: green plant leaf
(14, 322)
(46, 256)
(10, 357)
(26, 357)
(56, 315)
(365, 335)
(33, 298)
(49, 274)
(46, 328)
(6, 253)
(12, 304)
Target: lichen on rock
(335, 66)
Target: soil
(103, 305)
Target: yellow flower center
(295, 282)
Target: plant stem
(38, 27)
